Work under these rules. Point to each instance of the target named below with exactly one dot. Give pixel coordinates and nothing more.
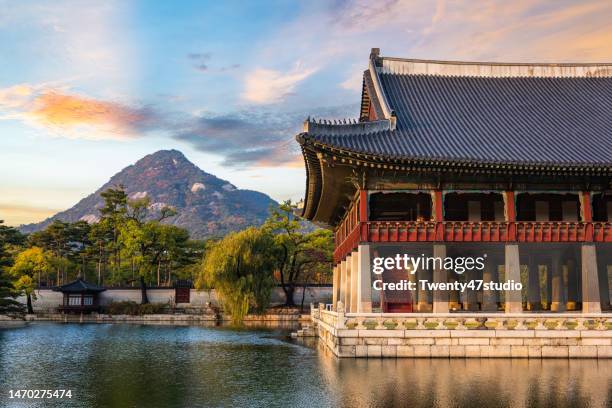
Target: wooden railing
(349, 243)
(466, 231)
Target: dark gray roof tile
(524, 120)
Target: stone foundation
(464, 336)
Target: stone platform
(567, 335)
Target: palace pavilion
(508, 162)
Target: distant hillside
(207, 206)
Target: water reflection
(468, 382)
(176, 366)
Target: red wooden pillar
(438, 202)
(587, 214)
(510, 212)
(363, 214)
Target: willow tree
(240, 269)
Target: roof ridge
(491, 70)
(505, 63)
(345, 126)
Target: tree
(296, 248)
(10, 238)
(148, 243)
(240, 268)
(68, 242)
(8, 295)
(30, 264)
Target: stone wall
(48, 300)
(589, 337)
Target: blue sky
(87, 88)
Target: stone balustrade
(521, 335)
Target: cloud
(72, 115)
(259, 137)
(336, 37)
(201, 56)
(88, 40)
(355, 81)
(253, 138)
(267, 86)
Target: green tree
(240, 268)
(296, 248)
(149, 243)
(113, 216)
(10, 238)
(29, 265)
(68, 242)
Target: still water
(124, 365)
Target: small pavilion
(80, 297)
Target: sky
(89, 87)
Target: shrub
(131, 308)
(126, 307)
(151, 308)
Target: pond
(123, 365)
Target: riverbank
(277, 316)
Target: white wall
(48, 300)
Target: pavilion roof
(544, 114)
(78, 286)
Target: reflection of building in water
(464, 159)
(466, 382)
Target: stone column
(342, 297)
(336, 285)
(440, 297)
(572, 285)
(347, 285)
(533, 297)
(513, 272)
(471, 296)
(423, 304)
(590, 283)
(558, 300)
(489, 297)
(354, 281)
(364, 280)
(604, 284)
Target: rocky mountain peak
(206, 205)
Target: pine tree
(8, 295)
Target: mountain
(207, 205)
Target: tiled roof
(511, 116)
(79, 286)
